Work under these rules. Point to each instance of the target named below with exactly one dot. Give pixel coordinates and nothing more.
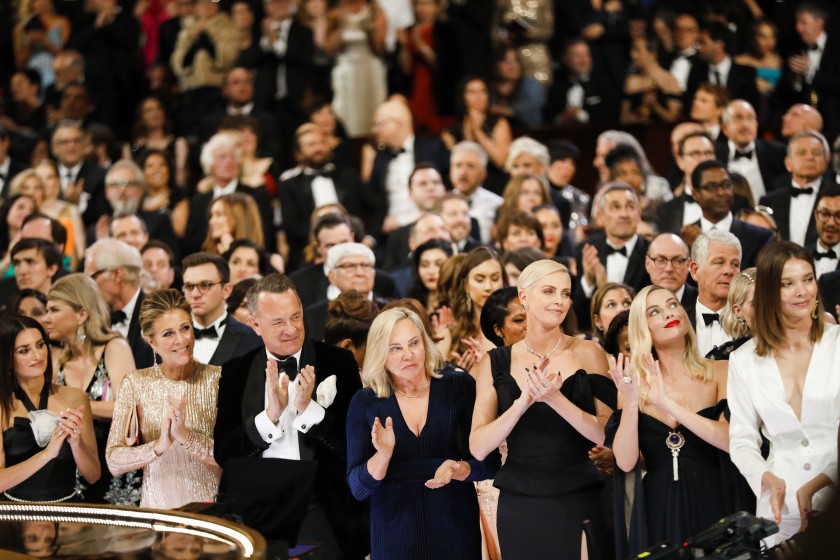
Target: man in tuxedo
(82, 182)
(666, 263)
(398, 153)
(579, 94)
(270, 422)
(349, 266)
(329, 231)
(826, 250)
(813, 68)
(686, 34)
(314, 182)
(715, 260)
(468, 170)
(694, 148)
(219, 337)
(830, 292)
(116, 268)
(454, 208)
(159, 263)
(8, 167)
(716, 66)
(617, 254)
(714, 193)
(794, 198)
(759, 161)
(800, 118)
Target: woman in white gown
(785, 384)
(356, 37)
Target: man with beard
(315, 181)
(125, 186)
(454, 208)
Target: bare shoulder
(116, 346)
(591, 355)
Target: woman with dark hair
(783, 384)
(246, 259)
(47, 428)
(153, 130)
(516, 261)
(428, 258)
(160, 196)
(608, 301)
(616, 339)
(13, 211)
(516, 229)
(513, 95)
(761, 54)
(237, 303)
(503, 317)
(29, 303)
(350, 316)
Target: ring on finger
(75, 430)
(61, 432)
(627, 379)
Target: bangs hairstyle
(738, 290)
(10, 327)
(641, 342)
(159, 303)
(374, 374)
(769, 326)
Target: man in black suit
(717, 67)
(82, 182)
(116, 268)
(826, 250)
(295, 420)
(694, 148)
(464, 231)
(794, 199)
(679, 63)
(314, 182)
(169, 30)
(579, 94)
(713, 191)
(399, 152)
(759, 161)
(617, 254)
(8, 166)
(219, 337)
(666, 263)
(830, 292)
(813, 69)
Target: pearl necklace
(550, 352)
(415, 396)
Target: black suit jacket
(740, 83)
(600, 100)
(94, 178)
(270, 144)
(143, 356)
(830, 291)
(167, 38)
(311, 284)
(242, 398)
(299, 61)
(689, 303)
(771, 159)
(779, 200)
(237, 340)
(669, 215)
(317, 315)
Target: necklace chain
(416, 395)
(550, 352)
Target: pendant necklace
(675, 441)
(550, 352)
(416, 395)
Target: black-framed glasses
(662, 262)
(824, 215)
(203, 287)
(726, 185)
(99, 273)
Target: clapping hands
(382, 437)
(626, 379)
(541, 385)
(71, 423)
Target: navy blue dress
(407, 520)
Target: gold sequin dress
(183, 473)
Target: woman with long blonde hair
(670, 404)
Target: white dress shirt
(206, 346)
(708, 336)
(801, 210)
(800, 448)
(681, 67)
(323, 191)
(4, 174)
(720, 69)
(123, 327)
(283, 436)
(691, 210)
(67, 175)
(826, 264)
(246, 109)
(483, 207)
(748, 168)
(400, 206)
(616, 266)
(279, 47)
(723, 225)
(230, 188)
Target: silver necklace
(415, 396)
(550, 352)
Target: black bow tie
(814, 47)
(795, 191)
(739, 155)
(289, 365)
(687, 198)
(325, 171)
(710, 318)
(830, 254)
(611, 250)
(118, 317)
(395, 152)
(209, 332)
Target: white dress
(358, 77)
(800, 448)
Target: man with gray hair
(795, 196)
(116, 267)
(81, 181)
(715, 260)
(349, 266)
(467, 172)
(653, 187)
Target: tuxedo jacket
(94, 178)
(770, 155)
(311, 284)
(237, 340)
(242, 398)
(317, 315)
(143, 356)
(779, 200)
(689, 303)
(740, 83)
(600, 100)
(198, 220)
(829, 284)
(669, 215)
(299, 61)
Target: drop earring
(80, 334)
(469, 304)
(815, 311)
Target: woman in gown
(407, 446)
(356, 36)
(40, 35)
(38, 463)
(669, 410)
(173, 407)
(93, 359)
(784, 384)
(538, 395)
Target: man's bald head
(801, 118)
(392, 123)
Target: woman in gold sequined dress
(175, 405)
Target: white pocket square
(326, 391)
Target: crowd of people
(327, 264)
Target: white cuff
(267, 429)
(312, 416)
(587, 289)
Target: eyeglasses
(699, 153)
(122, 184)
(99, 273)
(824, 215)
(662, 262)
(726, 185)
(362, 267)
(203, 287)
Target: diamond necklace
(416, 395)
(550, 352)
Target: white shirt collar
(723, 225)
(216, 323)
(823, 249)
(128, 309)
(815, 184)
(733, 148)
(821, 40)
(4, 168)
(230, 188)
(246, 109)
(723, 67)
(62, 170)
(408, 145)
(296, 355)
(630, 244)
